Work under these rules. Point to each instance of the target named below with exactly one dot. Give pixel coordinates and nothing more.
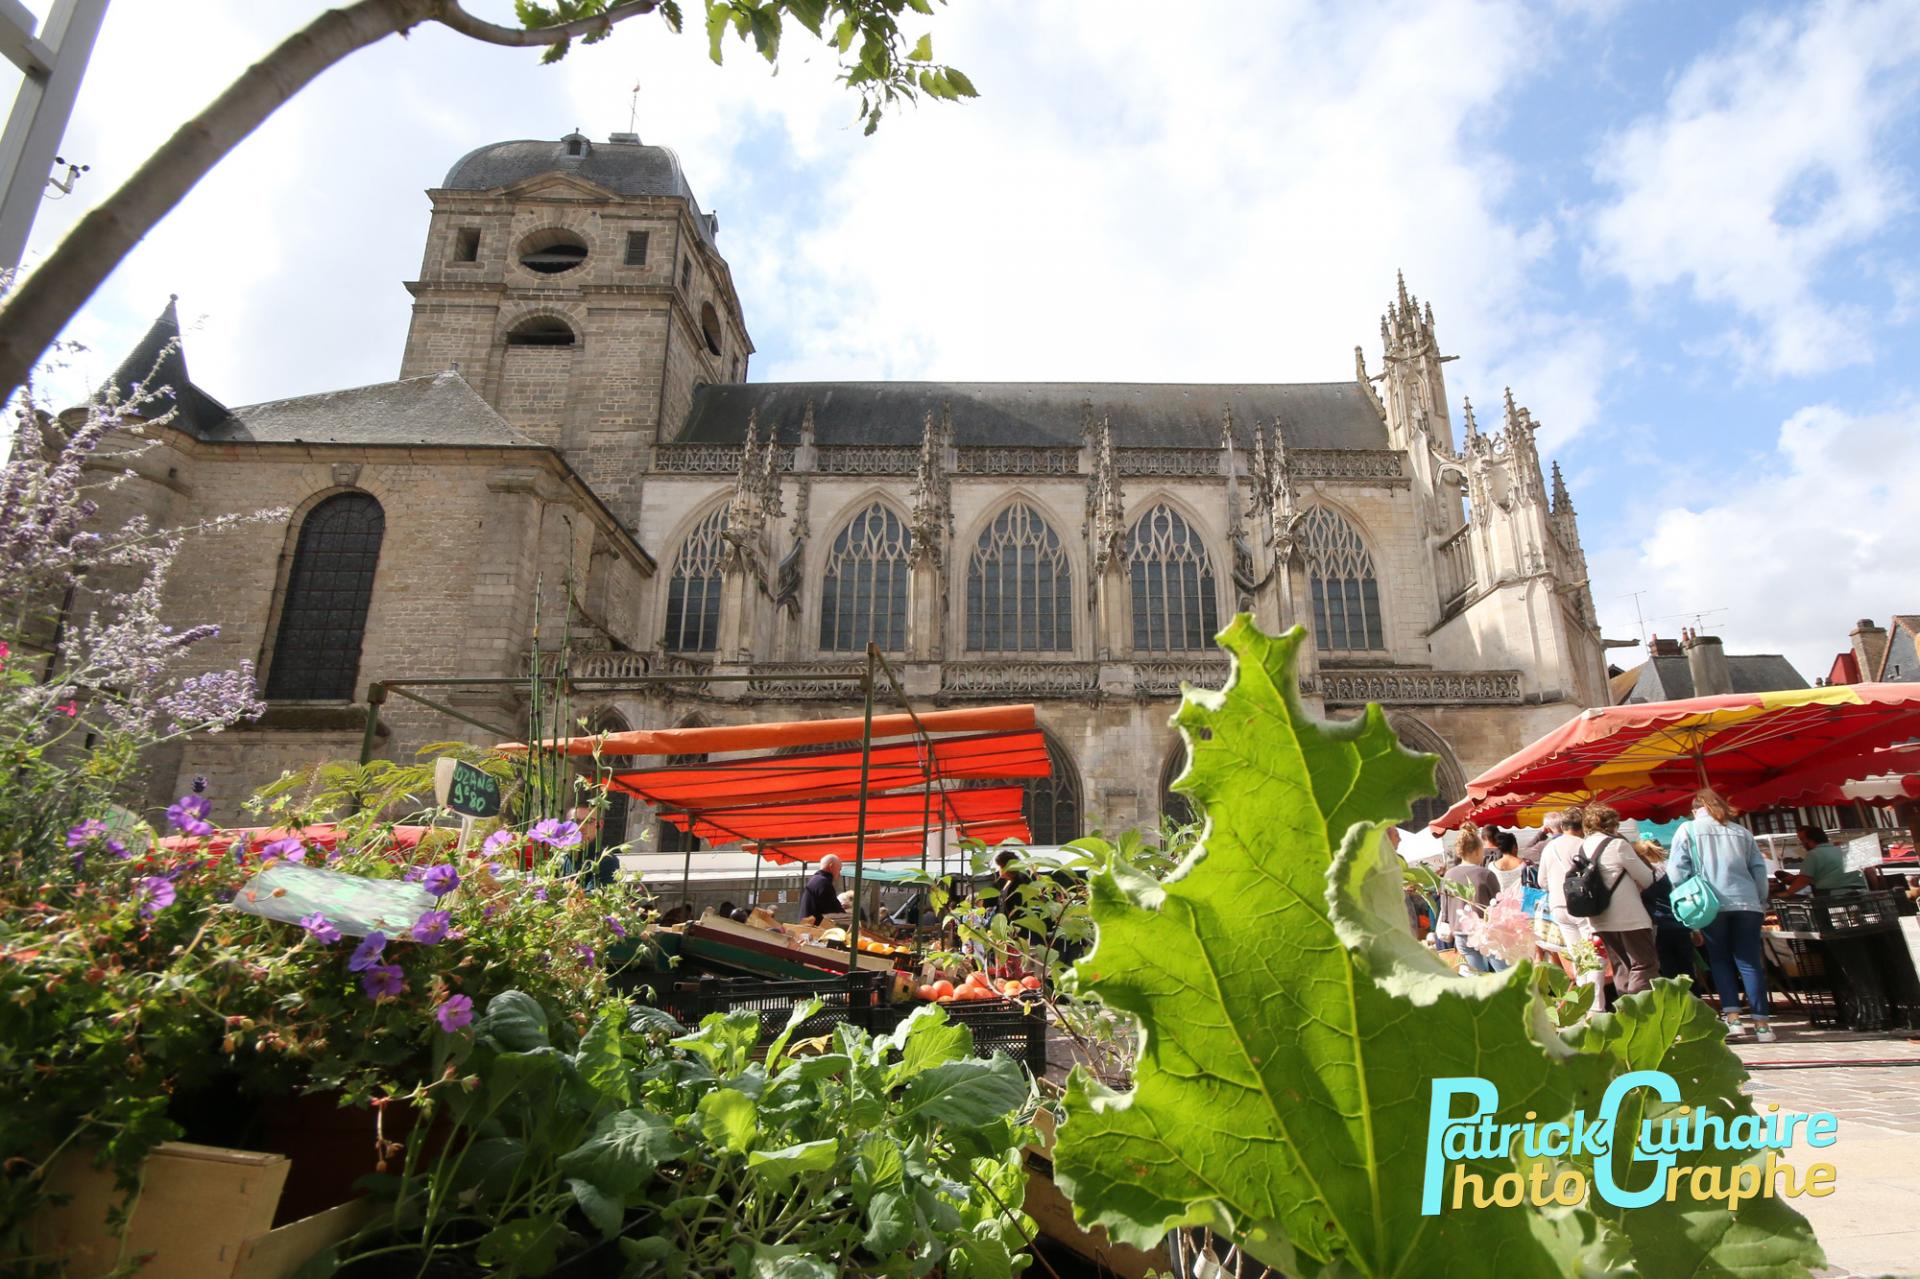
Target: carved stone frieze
(836, 681)
(865, 459)
(1163, 678)
(1419, 688)
(1161, 461)
(1017, 460)
(708, 459)
(1019, 679)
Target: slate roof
(1314, 415)
(627, 168)
(159, 360)
(439, 409)
(1667, 679)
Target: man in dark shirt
(821, 896)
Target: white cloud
(1791, 548)
(1770, 157)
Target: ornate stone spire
(931, 496)
(1281, 490)
(755, 499)
(787, 578)
(1562, 502)
(806, 426)
(1518, 439)
(1106, 507)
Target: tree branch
(453, 14)
(40, 307)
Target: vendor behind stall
(821, 896)
(1824, 867)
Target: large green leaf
(624, 1151)
(728, 1119)
(926, 1039)
(970, 1093)
(515, 1020)
(783, 1165)
(1292, 1027)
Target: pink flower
(455, 1013)
(554, 833)
(86, 832)
(290, 849)
(497, 842)
(69, 709)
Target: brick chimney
(1657, 647)
(1869, 647)
(1707, 663)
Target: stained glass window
(1019, 587)
(1176, 607)
(323, 616)
(1346, 591)
(1053, 803)
(693, 592)
(864, 593)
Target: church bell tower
(578, 287)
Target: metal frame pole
(860, 830)
(54, 65)
(376, 698)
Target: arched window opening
(323, 615)
(552, 252)
(1053, 803)
(1346, 590)
(693, 592)
(1176, 605)
(863, 595)
(1019, 587)
(710, 327)
(1176, 807)
(1448, 780)
(541, 330)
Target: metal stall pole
(759, 855)
(860, 830)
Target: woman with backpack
(1720, 886)
(1616, 875)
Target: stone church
(573, 458)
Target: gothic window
(693, 592)
(1019, 587)
(864, 594)
(541, 330)
(1053, 803)
(1176, 607)
(1176, 807)
(1346, 590)
(323, 615)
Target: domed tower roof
(622, 164)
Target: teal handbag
(1695, 904)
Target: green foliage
(1292, 1023)
(893, 1156)
(878, 60)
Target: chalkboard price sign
(465, 789)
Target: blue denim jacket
(1727, 857)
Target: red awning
(821, 774)
(809, 732)
(839, 817)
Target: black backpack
(1587, 890)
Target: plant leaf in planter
(1292, 1024)
(783, 1165)
(926, 1039)
(531, 1244)
(516, 1021)
(889, 1223)
(971, 1093)
(599, 1207)
(727, 1119)
(624, 1151)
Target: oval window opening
(710, 327)
(553, 252)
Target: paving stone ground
(1870, 1225)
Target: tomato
(943, 990)
(1030, 983)
(926, 992)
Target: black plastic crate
(1858, 912)
(859, 1001)
(1011, 1027)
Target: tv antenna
(633, 107)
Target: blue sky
(1684, 234)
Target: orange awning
(809, 732)
(819, 774)
(839, 817)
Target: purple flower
(414, 874)
(441, 880)
(189, 815)
(383, 981)
(455, 1013)
(156, 894)
(431, 927)
(540, 893)
(322, 931)
(555, 833)
(118, 849)
(586, 952)
(86, 832)
(291, 849)
(367, 953)
(497, 843)
(619, 929)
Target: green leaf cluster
(1292, 1026)
(897, 1155)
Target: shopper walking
(1712, 847)
(1624, 925)
(1674, 941)
(1505, 861)
(1461, 916)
